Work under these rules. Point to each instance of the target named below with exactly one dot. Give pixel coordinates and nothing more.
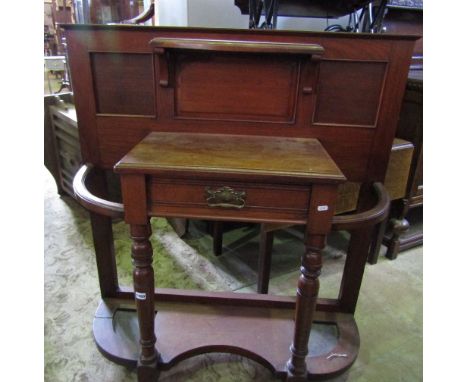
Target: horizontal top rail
(236, 46)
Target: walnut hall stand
(215, 176)
(141, 92)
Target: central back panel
(232, 87)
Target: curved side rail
(142, 17)
(90, 201)
(367, 218)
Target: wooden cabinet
(62, 155)
(405, 228)
(67, 145)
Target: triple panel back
(343, 89)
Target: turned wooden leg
(217, 232)
(143, 281)
(307, 291)
(398, 227)
(376, 243)
(264, 259)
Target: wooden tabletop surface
(295, 157)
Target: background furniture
(330, 9)
(405, 221)
(61, 140)
(56, 65)
(66, 145)
(401, 235)
(406, 17)
(112, 11)
(56, 12)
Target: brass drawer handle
(225, 197)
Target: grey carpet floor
(389, 313)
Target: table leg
(376, 243)
(307, 291)
(105, 255)
(217, 233)
(143, 281)
(264, 259)
(398, 227)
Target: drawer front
(230, 200)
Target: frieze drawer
(184, 198)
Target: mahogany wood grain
(217, 233)
(368, 218)
(238, 325)
(354, 269)
(360, 151)
(318, 225)
(351, 222)
(134, 193)
(350, 93)
(123, 84)
(160, 155)
(103, 240)
(300, 160)
(143, 281)
(172, 196)
(101, 224)
(228, 298)
(264, 259)
(218, 45)
(218, 92)
(358, 143)
(402, 20)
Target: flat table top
(303, 158)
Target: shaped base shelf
(262, 334)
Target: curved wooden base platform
(260, 333)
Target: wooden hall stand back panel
(131, 81)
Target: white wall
(224, 14)
(171, 13)
(216, 14)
